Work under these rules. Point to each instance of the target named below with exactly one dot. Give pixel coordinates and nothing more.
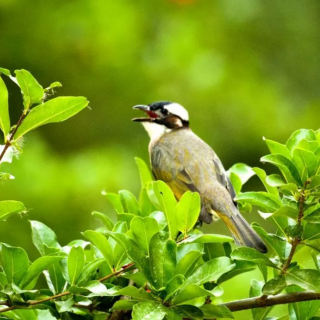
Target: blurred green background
(244, 70)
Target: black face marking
(159, 105)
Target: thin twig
(33, 303)
(8, 142)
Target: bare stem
(8, 143)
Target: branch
(33, 303)
(8, 143)
(257, 302)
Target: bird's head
(167, 114)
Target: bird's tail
(242, 232)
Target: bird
(185, 162)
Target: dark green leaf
(32, 91)
(261, 199)
(174, 285)
(187, 264)
(148, 310)
(313, 217)
(76, 261)
(256, 291)
(15, 263)
(4, 109)
(190, 292)
(143, 229)
(274, 286)
(307, 279)
(88, 270)
(10, 207)
(241, 266)
(211, 311)
(252, 255)
(55, 110)
(145, 174)
(187, 211)
(210, 271)
(191, 312)
(286, 166)
(123, 305)
(162, 259)
(43, 238)
(311, 231)
(36, 269)
(146, 206)
(294, 230)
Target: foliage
(154, 261)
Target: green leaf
(32, 91)
(166, 203)
(274, 286)
(55, 110)
(261, 199)
(102, 244)
(235, 181)
(307, 279)
(10, 207)
(162, 259)
(287, 211)
(263, 177)
(299, 135)
(286, 166)
(311, 231)
(240, 267)
(123, 305)
(275, 180)
(88, 270)
(64, 306)
(211, 311)
(306, 163)
(314, 182)
(146, 206)
(148, 310)
(143, 229)
(256, 291)
(206, 238)
(313, 217)
(174, 285)
(76, 261)
(5, 72)
(279, 245)
(187, 264)
(243, 171)
(278, 148)
(15, 263)
(210, 271)
(4, 109)
(191, 312)
(252, 255)
(145, 174)
(294, 230)
(114, 200)
(187, 211)
(129, 202)
(190, 292)
(135, 293)
(43, 238)
(36, 269)
(104, 219)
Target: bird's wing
(183, 171)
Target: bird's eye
(164, 111)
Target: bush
(154, 262)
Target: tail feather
(243, 233)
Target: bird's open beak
(152, 115)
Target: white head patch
(178, 110)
